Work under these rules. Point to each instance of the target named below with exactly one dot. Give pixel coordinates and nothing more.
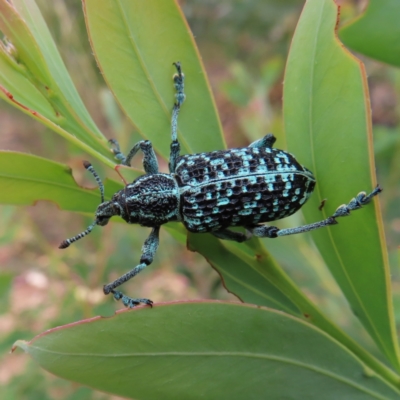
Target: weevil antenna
(67, 242)
(90, 168)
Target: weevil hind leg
(342, 211)
(267, 141)
(149, 250)
(357, 202)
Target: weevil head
(106, 210)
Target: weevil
(210, 192)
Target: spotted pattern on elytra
(240, 187)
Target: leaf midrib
(269, 357)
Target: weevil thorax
(151, 200)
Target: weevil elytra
(210, 192)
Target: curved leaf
(54, 65)
(36, 62)
(220, 351)
(22, 89)
(328, 126)
(249, 272)
(239, 276)
(135, 43)
(25, 179)
(376, 32)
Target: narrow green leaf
(328, 127)
(376, 32)
(26, 49)
(220, 351)
(20, 87)
(238, 276)
(135, 43)
(55, 65)
(19, 91)
(25, 179)
(39, 64)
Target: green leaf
(25, 179)
(25, 48)
(249, 272)
(135, 43)
(34, 62)
(376, 32)
(239, 275)
(328, 127)
(19, 91)
(19, 88)
(220, 351)
(55, 67)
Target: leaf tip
(22, 344)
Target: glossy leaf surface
(328, 127)
(25, 179)
(253, 275)
(376, 32)
(35, 64)
(135, 43)
(141, 354)
(239, 275)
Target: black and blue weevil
(210, 192)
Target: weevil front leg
(342, 211)
(179, 83)
(149, 249)
(150, 163)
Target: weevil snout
(105, 211)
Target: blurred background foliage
(244, 45)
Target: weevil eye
(116, 210)
(102, 220)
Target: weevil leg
(342, 211)
(116, 150)
(227, 234)
(179, 83)
(150, 163)
(149, 249)
(267, 141)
